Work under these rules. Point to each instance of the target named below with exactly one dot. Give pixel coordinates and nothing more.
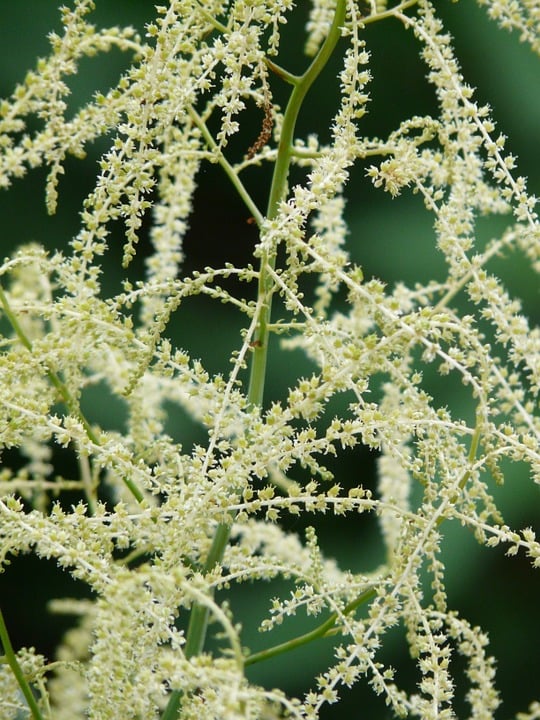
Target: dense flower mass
(159, 529)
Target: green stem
(388, 13)
(211, 19)
(171, 711)
(67, 398)
(281, 72)
(319, 632)
(227, 167)
(278, 192)
(475, 442)
(17, 670)
(63, 391)
(198, 620)
(196, 632)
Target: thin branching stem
(69, 401)
(17, 671)
(329, 626)
(227, 167)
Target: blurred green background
(391, 239)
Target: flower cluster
(160, 532)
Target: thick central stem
(196, 633)
(278, 192)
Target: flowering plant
(160, 531)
